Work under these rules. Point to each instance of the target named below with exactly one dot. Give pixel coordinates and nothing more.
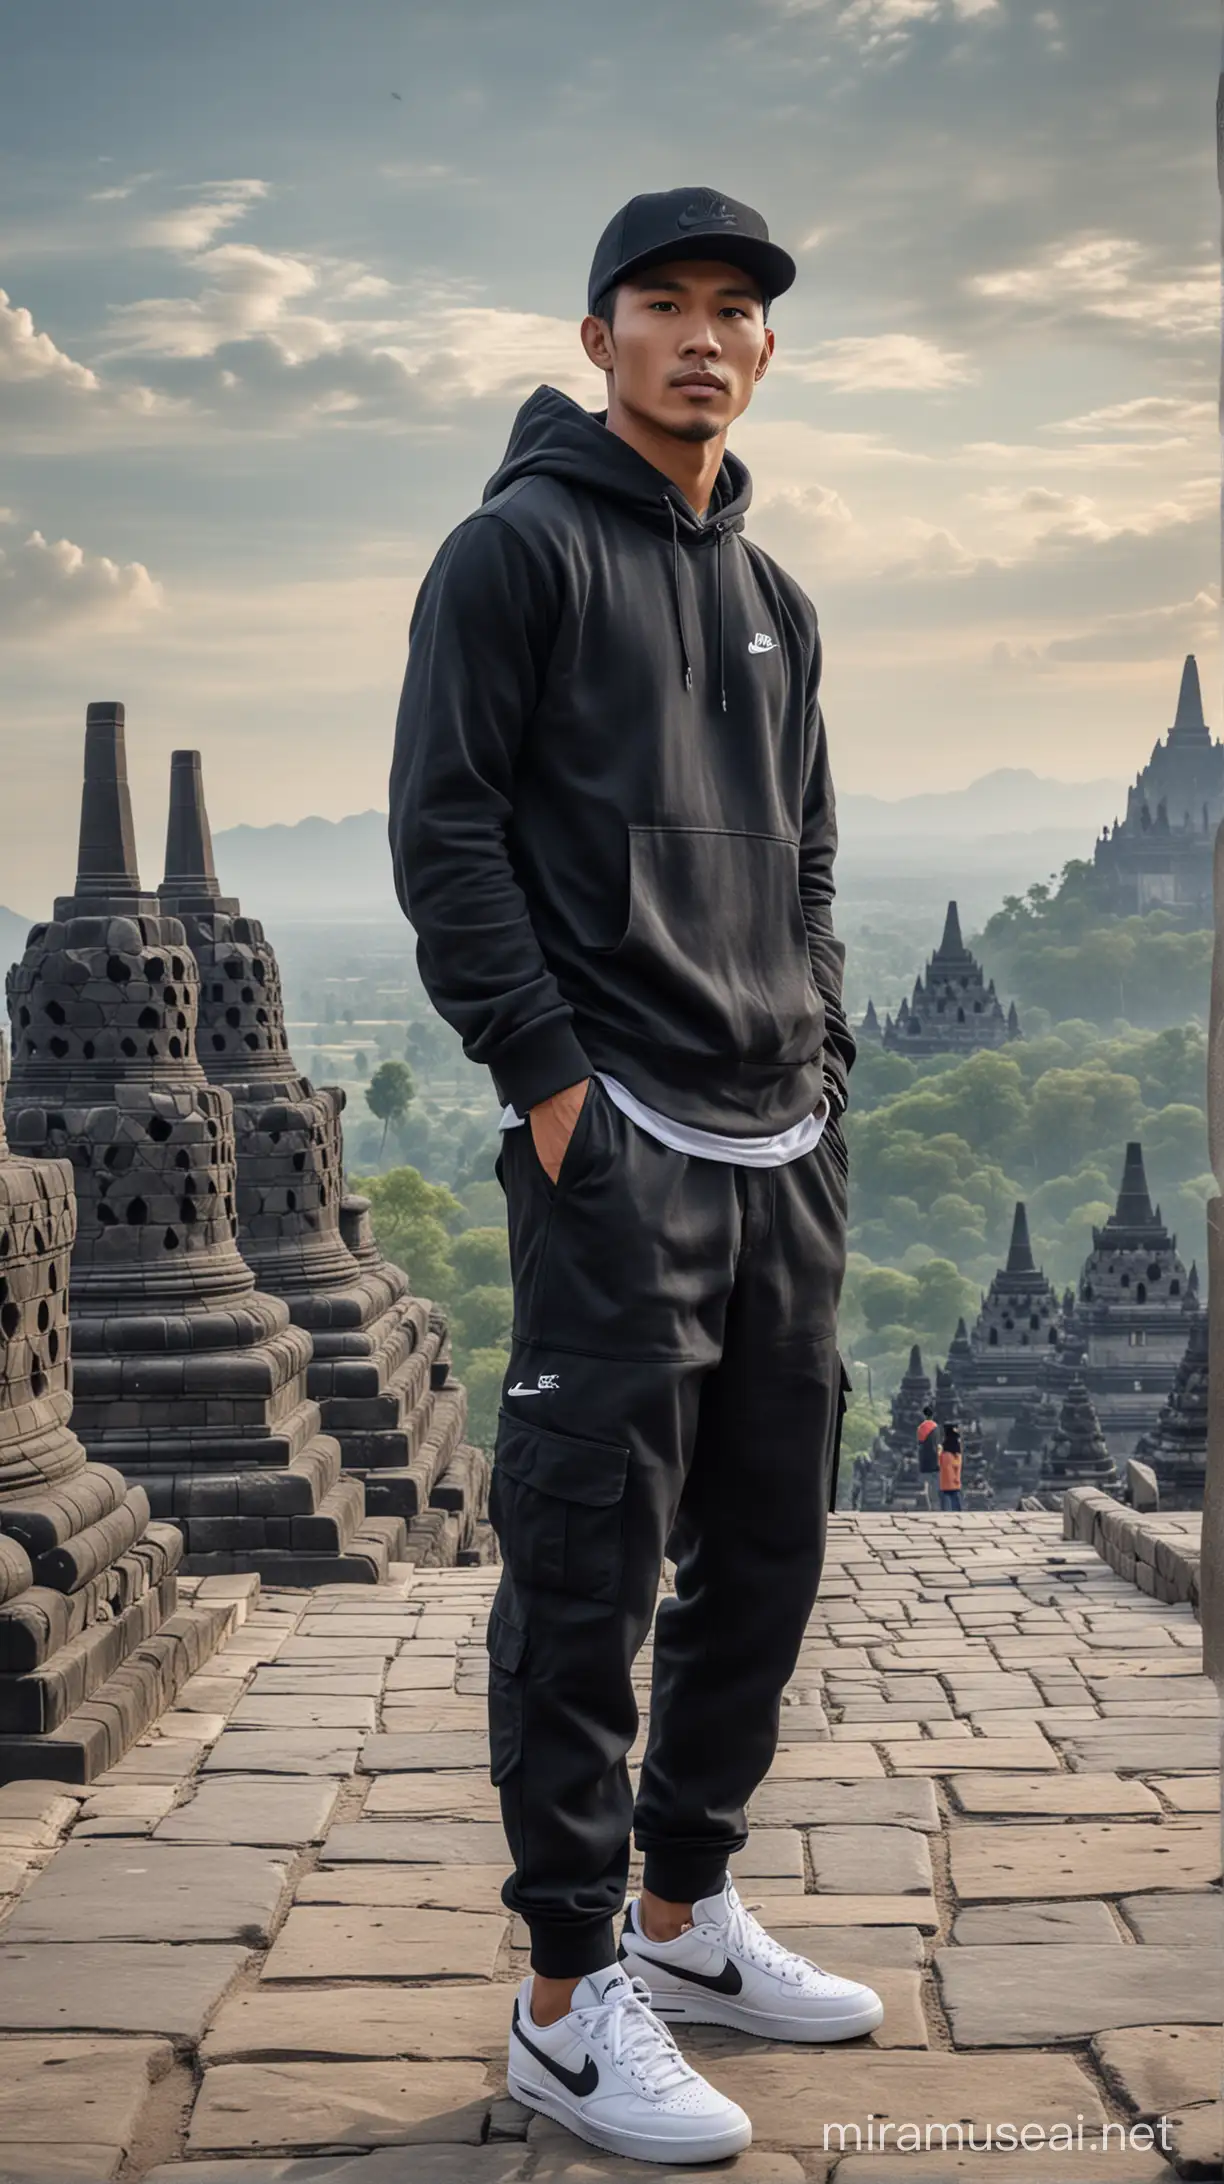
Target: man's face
(687, 346)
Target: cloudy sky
(274, 279)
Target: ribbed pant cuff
(684, 1876)
(569, 1952)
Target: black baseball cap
(690, 223)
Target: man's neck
(692, 465)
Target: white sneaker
(613, 2074)
(726, 1970)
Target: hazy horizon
(276, 281)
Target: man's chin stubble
(696, 430)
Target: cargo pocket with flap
(507, 1643)
(557, 1506)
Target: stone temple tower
(379, 1370)
(85, 1579)
(188, 1379)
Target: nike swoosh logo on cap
(578, 2082)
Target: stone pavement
(270, 1944)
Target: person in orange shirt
(950, 1469)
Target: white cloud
(1155, 634)
(246, 291)
(26, 355)
(936, 553)
(883, 24)
(1145, 413)
(423, 174)
(193, 226)
(878, 363)
(49, 588)
(1109, 277)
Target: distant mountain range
(1011, 821)
(1005, 829)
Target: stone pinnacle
(106, 866)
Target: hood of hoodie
(554, 437)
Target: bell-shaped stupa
(189, 1379)
(380, 1367)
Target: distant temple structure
(1076, 1453)
(998, 1366)
(1128, 1322)
(953, 1008)
(1159, 856)
(1176, 1448)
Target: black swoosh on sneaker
(728, 1981)
(579, 2082)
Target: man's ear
(596, 339)
(766, 352)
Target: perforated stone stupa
(188, 1379)
(1076, 1453)
(86, 1580)
(380, 1367)
(1159, 856)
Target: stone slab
(952, 1755)
(1071, 1795)
(564, 2160)
(1067, 1859)
(1110, 2164)
(281, 1812)
(284, 1751)
(442, 1796)
(59, 1987)
(883, 1803)
(300, 1710)
(1180, 1921)
(1018, 1997)
(844, 1910)
(1188, 1793)
(832, 1762)
(63, 2093)
(252, 2107)
(878, 1861)
(409, 1754)
(408, 1887)
(858, 1952)
(342, 1942)
(791, 2096)
(769, 1854)
(984, 1925)
(118, 1891)
(374, 2023)
(1155, 2069)
(1146, 1750)
(415, 1842)
(498, 2164)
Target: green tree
(411, 1218)
(481, 1318)
(361, 1064)
(483, 1374)
(389, 1094)
(481, 1256)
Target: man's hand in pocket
(552, 1123)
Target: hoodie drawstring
(688, 671)
(722, 656)
(684, 651)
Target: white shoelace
(747, 1937)
(634, 2036)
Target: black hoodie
(612, 821)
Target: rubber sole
(675, 2153)
(711, 2010)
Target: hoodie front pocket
(715, 935)
(556, 1503)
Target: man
(613, 830)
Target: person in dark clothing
(613, 829)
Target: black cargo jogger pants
(674, 1384)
